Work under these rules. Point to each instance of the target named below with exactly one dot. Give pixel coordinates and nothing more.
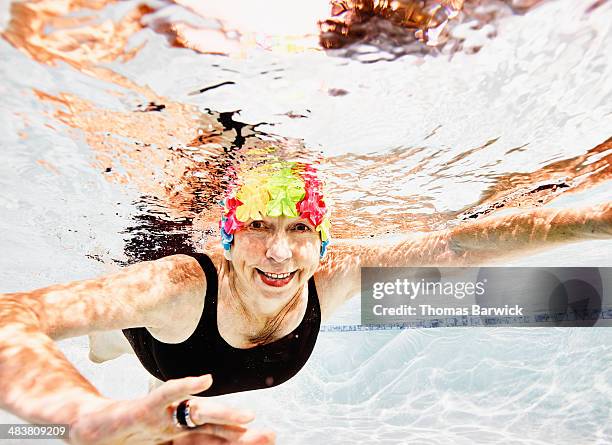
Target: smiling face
(274, 230)
(275, 255)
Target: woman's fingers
(252, 437)
(203, 411)
(216, 423)
(230, 433)
(211, 434)
(151, 419)
(180, 389)
(198, 439)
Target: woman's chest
(237, 330)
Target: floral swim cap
(283, 188)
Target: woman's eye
(256, 225)
(302, 227)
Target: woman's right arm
(38, 383)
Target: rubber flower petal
(312, 207)
(285, 192)
(310, 177)
(324, 229)
(323, 248)
(254, 200)
(231, 224)
(230, 205)
(226, 239)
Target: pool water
(112, 155)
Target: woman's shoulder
(194, 268)
(336, 280)
(180, 311)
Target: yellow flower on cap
(254, 198)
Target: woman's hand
(149, 420)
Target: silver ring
(181, 416)
(190, 423)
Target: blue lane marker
(543, 318)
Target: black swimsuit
(232, 369)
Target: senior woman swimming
(248, 317)
(261, 318)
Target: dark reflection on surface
(153, 235)
(394, 28)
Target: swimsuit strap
(209, 312)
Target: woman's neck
(262, 323)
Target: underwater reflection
(177, 154)
(83, 33)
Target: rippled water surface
(120, 120)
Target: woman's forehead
(282, 220)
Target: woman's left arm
(470, 244)
(527, 232)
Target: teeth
(277, 276)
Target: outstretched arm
(525, 232)
(472, 243)
(36, 381)
(39, 384)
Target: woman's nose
(279, 249)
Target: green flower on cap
(286, 190)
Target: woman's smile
(276, 279)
